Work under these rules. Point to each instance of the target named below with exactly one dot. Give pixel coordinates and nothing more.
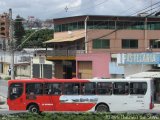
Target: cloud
(56, 8)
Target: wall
(114, 68)
(5, 68)
(58, 72)
(23, 70)
(116, 37)
(100, 63)
(138, 63)
(133, 69)
(69, 34)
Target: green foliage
(80, 116)
(18, 30)
(7, 78)
(36, 40)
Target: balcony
(63, 54)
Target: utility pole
(86, 41)
(11, 43)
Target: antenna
(66, 8)
(151, 6)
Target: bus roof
(48, 80)
(80, 80)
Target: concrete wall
(114, 68)
(23, 70)
(100, 63)
(133, 69)
(116, 38)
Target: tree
(19, 31)
(37, 39)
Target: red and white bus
(37, 95)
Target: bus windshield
(15, 90)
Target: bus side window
(88, 88)
(121, 88)
(104, 88)
(71, 88)
(53, 88)
(138, 88)
(34, 88)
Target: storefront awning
(145, 75)
(67, 39)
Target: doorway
(69, 68)
(157, 90)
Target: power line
(115, 29)
(146, 8)
(106, 1)
(77, 7)
(67, 8)
(91, 6)
(130, 8)
(114, 17)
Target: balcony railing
(65, 52)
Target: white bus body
(127, 102)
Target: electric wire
(114, 17)
(115, 29)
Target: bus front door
(16, 97)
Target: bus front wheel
(102, 108)
(33, 109)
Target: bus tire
(102, 108)
(33, 108)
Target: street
(3, 88)
(3, 96)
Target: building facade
(30, 63)
(80, 36)
(4, 30)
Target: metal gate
(47, 71)
(42, 71)
(36, 71)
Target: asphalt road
(3, 96)
(3, 88)
(6, 112)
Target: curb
(2, 102)
(4, 106)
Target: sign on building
(139, 58)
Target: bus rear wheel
(102, 108)
(33, 109)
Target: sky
(49, 9)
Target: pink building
(93, 65)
